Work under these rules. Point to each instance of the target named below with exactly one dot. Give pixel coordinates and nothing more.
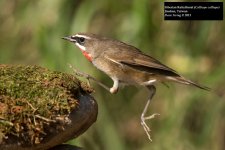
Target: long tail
(181, 79)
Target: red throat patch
(88, 56)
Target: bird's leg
(115, 87)
(152, 90)
(88, 77)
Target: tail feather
(181, 79)
(199, 86)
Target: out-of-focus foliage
(27, 95)
(191, 119)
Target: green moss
(32, 98)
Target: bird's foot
(145, 126)
(151, 116)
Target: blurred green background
(191, 119)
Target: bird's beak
(68, 38)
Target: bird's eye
(81, 40)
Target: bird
(126, 64)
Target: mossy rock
(38, 107)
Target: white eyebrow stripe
(83, 36)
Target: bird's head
(89, 44)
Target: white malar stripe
(83, 36)
(81, 47)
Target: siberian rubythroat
(124, 63)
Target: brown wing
(134, 58)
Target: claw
(147, 130)
(151, 116)
(145, 126)
(143, 118)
